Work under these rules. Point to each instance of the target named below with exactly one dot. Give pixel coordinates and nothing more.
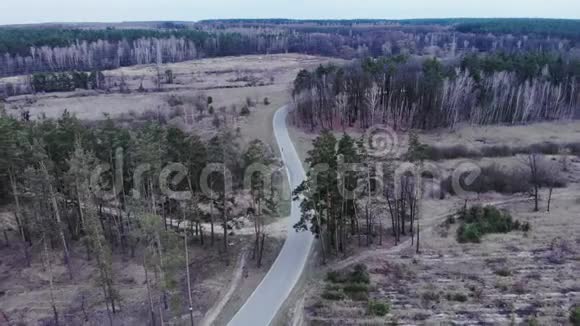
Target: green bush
(335, 277)
(469, 233)
(436, 153)
(526, 227)
(356, 287)
(245, 111)
(478, 221)
(358, 296)
(547, 148)
(574, 148)
(333, 287)
(459, 297)
(377, 308)
(174, 100)
(492, 178)
(333, 295)
(360, 275)
(504, 272)
(575, 316)
(430, 296)
(532, 322)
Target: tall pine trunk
(54, 202)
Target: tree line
(567, 28)
(27, 50)
(344, 187)
(92, 191)
(407, 92)
(66, 81)
(63, 50)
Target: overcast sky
(35, 11)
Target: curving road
(268, 297)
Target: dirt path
(214, 312)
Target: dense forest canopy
(566, 28)
(20, 40)
(408, 92)
(29, 49)
(539, 26)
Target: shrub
(503, 272)
(357, 279)
(478, 221)
(176, 112)
(532, 322)
(174, 100)
(360, 274)
(430, 296)
(209, 100)
(169, 76)
(436, 153)
(333, 287)
(574, 148)
(492, 178)
(497, 151)
(335, 277)
(266, 101)
(245, 111)
(526, 227)
(216, 121)
(547, 148)
(211, 110)
(469, 233)
(575, 316)
(356, 287)
(333, 295)
(519, 287)
(358, 296)
(250, 102)
(459, 297)
(377, 308)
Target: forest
(25, 50)
(95, 190)
(338, 200)
(409, 93)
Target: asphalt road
(268, 297)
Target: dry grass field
(518, 278)
(507, 279)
